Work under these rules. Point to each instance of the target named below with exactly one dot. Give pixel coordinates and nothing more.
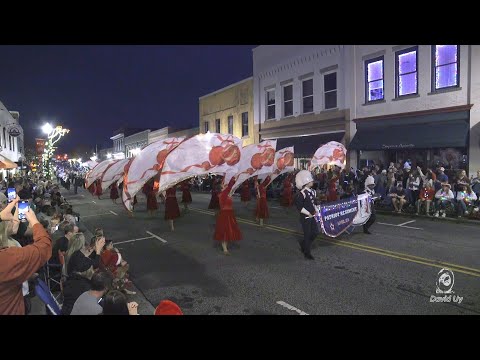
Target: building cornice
(226, 88)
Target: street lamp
(94, 158)
(54, 135)
(109, 155)
(47, 128)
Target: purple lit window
(374, 69)
(446, 59)
(406, 72)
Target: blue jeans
(462, 207)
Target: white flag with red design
(114, 173)
(284, 162)
(148, 163)
(257, 159)
(200, 155)
(97, 172)
(332, 153)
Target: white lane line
(93, 202)
(82, 195)
(157, 237)
(84, 216)
(113, 212)
(407, 227)
(405, 223)
(290, 307)
(276, 207)
(127, 241)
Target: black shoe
(365, 231)
(309, 257)
(301, 249)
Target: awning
(6, 163)
(453, 133)
(307, 145)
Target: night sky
(94, 90)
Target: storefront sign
(398, 146)
(14, 130)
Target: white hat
(370, 180)
(384, 171)
(442, 169)
(303, 178)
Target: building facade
(134, 143)
(127, 142)
(415, 102)
(299, 96)
(160, 134)
(11, 147)
(230, 111)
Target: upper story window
(270, 99)
(446, 69)
(406, 75)
(217, 126)
(230, 124)
(244, 124)
(205, 127)
(288, 100)
(374, 79)
(307, 95)
(330, 90)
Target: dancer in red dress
(114, 192)
(287, 194)
(245, 195)
(261, 212)
(226, 227)
(98, 188)
(152, 204)
(332, 188)
(172, 211)
(186, 196)
(214, 202)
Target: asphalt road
(392, 271)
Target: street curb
(432, 218)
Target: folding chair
(46, 296)
(55, 280)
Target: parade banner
(200, 155)
(283, 163)
(114, 173)
(336, 217)
(97, 172)
(148, 163)
(364, 209)
(257, 159)
(332, 153)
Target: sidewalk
(144, 306)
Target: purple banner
(336, 217)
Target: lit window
(288, 100)
(330, 89)
(374, 79)
(270, 104)
(406, 72)
(446, 66)
(307, 95)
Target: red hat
(167, 307)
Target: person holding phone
(18, 264)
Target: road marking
(84, 216)
(93, 202)
(276, 207)
(405, 223)
(114, 213)
(371, 249)
(127, 241)
(408, 227)
(157, 237)
(82, 195)
(290, 307)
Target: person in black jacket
(78, 282)
(305, 203)
(88, 256)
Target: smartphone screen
(12, 194)
(22, 209)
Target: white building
(11, 147)
(416, 102)
(299, 96)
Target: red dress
(172, 211)
(226, 228)
(332, 190)
(245, 194)
(186, 196)
(98, 188)
(287, 196)
(261, 212)
(214, 202)
(109, 259)
(114, 192)
(152, 200)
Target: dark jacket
(306, 202)
(79, 261)
(75, 286)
